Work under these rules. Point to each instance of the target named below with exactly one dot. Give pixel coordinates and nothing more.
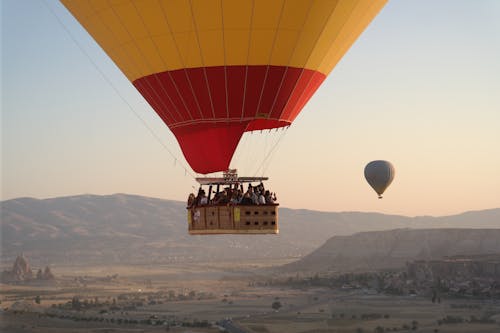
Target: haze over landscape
(99, 255)
(121, 229)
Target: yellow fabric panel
(178, 15)
(292, 21)
(98, 5)
(212, 48)
(189, 49)
(207, 15)
(261, 42)
(207, 31)
(236, 46)
(133, 53)
(265, 21)
(80, 9)
(237, 14)
(180, 20)
(295, 14)
(131, 21)
(317, 19)
(96, 29)
(266, 14)
(153, 17)
(124, 61)
(149, 36)
(284, 47)
(114, 32)
(330, 33)
(106, 39)
(117, 2)
(237, 17)
(153, 59)
(358, 22)
(168, 51)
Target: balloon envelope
(379, 174)
(214, 69)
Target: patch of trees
(276, 305)
(364, 316)
(369, 280)
(132, 301)
(472, 319)
(152, 321)
(466, 306)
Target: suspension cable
(267, 159)
(103, 75)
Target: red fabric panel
(255, 82)
(199, 82)
(183, 84)
(163, 113)
(274, 78)
(165, 84)
(209, 147)
(235, 89)
(287, 86)
(179, 96)
(261, 124)
(315, 81)
(217, 84)
(298, 90)
(207, 123)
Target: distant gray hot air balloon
(379, 174)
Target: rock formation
(46, 274)
(21, 271)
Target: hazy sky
(420, 88)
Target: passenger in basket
(262, 198)
(191, 200)
(234, 199)
(261, 188)
(269, 198)
(246, 200)
(198, 197)
(239, 195)
(203, 198)
(253, 195)
(223, 198)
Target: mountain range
(131, 229)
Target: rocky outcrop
(46, 274)
(392, 249)
(22, 271)
(486, 266)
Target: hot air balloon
(379, 174)
(214, 69)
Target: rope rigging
(129, 106)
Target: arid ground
(206, 298)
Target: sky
(419, 88)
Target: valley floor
(195, 298)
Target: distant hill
(128, 229)
(392, 249)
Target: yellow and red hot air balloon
(214, 69)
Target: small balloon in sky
(379, 174)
